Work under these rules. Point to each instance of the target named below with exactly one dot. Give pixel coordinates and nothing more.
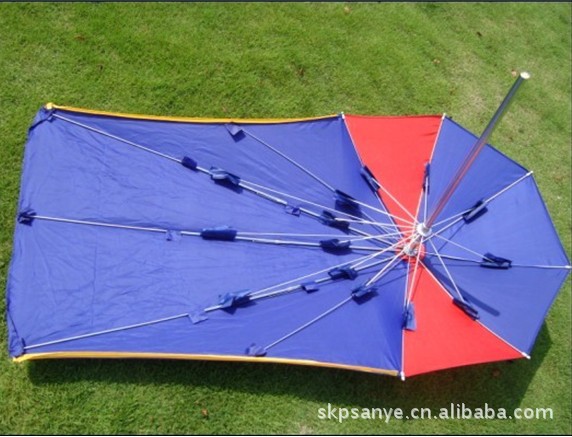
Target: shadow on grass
(500, 384)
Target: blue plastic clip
(233, 129)
(329, 219)
(198, 316)
(189, 163)
(363, 290)
(343, 273)
(370, 178)
(335, 246)
(255, 351)
(346, 202)
(172, 235)
(234, 299)
(476, 211)
(222, 233)
(409, 322)
(426, 177)
(26, 217)
(310, 287)
(491, 261)
(468, 309)
(223, 177)
(294, 210)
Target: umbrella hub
(423, 230)
(411, 248)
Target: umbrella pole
(424, 229)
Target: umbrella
(397, 245)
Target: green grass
(287, 60)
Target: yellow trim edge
(51, 105)
(205, 357)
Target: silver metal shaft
(473, 153)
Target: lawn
(289, 60)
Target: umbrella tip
(402, 376)
(525, 75)
(525, 355)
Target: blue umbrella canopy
(271, 240)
